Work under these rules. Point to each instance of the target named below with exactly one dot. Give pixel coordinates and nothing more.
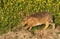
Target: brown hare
(38, 19)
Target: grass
(10, 11)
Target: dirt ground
(37, 34)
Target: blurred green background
(10, 11)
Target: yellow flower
(53, 4)
(11, 3)
(48, 0)
(5, 19)
(15, 17)
(49, 4)
(48, 10)
(41, 10)
(59, 13)
(59, 2)
(21, 8)
(54, 10)
(2, 18)
(21, 0)
(38, 0)
(44, 2)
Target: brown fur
(39, 19)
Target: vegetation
(10, 11)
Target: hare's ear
(27, 14)
(22, 14)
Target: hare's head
(24, 21)
(24, 18)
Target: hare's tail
(52, 21)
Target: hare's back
(41, 15)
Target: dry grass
(38, 34)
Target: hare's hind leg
(53, 24)
(47, 24)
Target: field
(10, 11)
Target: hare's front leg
(47, 24)
(25, 28)
(30, 26)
